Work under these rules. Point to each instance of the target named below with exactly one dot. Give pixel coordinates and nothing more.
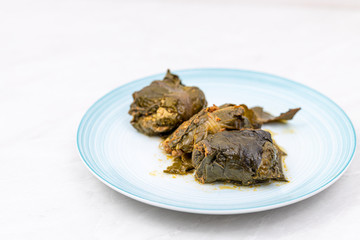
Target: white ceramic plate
(320, 142)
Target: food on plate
(162, 106)
(215, 119)
(244, 157)
(218, 143)
(181, 165)
(264, 117)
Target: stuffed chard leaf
(162, 106)
(216, 119)
(244, 157)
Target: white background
(58, 57)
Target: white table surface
(58, 57)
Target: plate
(320, 142)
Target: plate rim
(213, 211)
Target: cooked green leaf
(245, 157)
(162, 106)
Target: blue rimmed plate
(320, 142)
